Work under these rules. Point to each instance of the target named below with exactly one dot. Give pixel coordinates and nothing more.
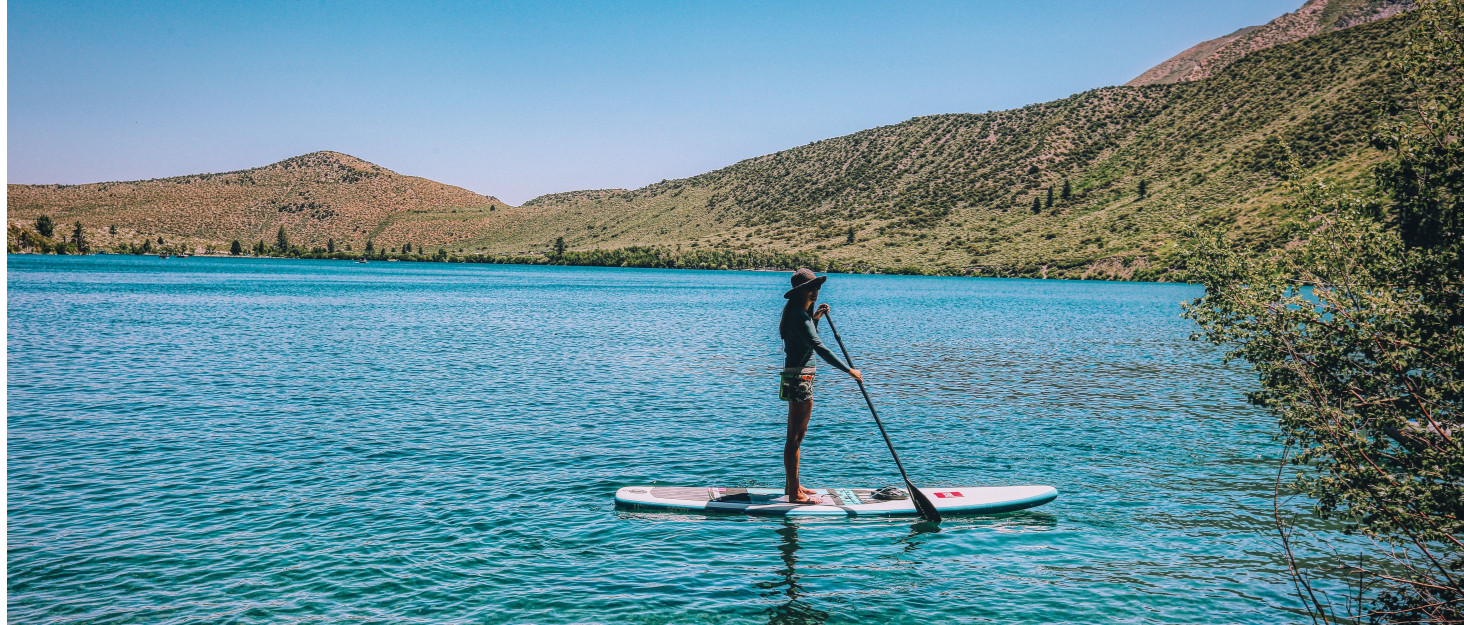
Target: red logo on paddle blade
(954, 493)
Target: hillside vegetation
(1097, 184)
(316, 197)
(969, 193)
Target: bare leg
(799, 413)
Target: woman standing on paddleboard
(799, 331)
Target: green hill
(955, 193)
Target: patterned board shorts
(796, 384)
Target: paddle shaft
(922, 503)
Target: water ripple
(263, 441)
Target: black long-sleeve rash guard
(800, 339)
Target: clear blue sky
(517, 99)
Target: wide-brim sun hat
(803, 280)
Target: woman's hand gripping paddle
(922, 503)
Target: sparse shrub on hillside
(22, 240)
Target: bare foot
(807, 492)
(802, 499)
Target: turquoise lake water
(269, 441)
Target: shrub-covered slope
(969, 193)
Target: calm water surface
(268, 441)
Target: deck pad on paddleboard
(952, 500)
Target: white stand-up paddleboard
(950, 500)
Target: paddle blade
(922, 504)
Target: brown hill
(1313, 18)
(316, 196)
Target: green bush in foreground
(1356, 334)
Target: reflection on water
(793, 611)
(791, 592)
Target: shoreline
(1153, 276)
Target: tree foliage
(1426, 180)
(1357, 332)
(78, 239)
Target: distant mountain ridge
(1313, 18)
(317, 197)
